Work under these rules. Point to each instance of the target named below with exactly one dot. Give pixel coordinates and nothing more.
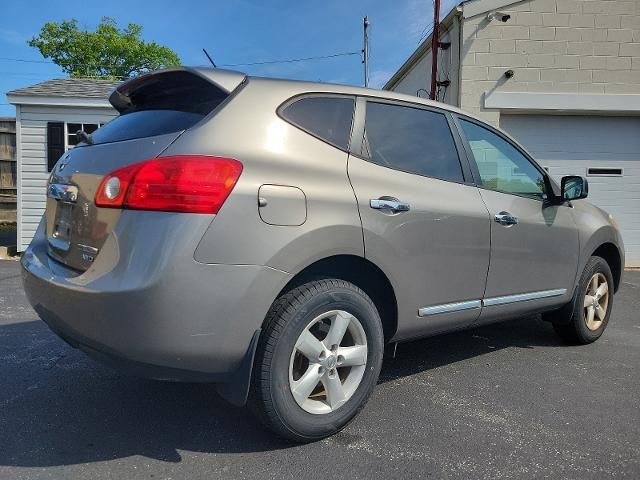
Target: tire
(585, 324)
(281, 368)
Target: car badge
(88, 252)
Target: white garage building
(47, 116)
(572, 94)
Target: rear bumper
(173, 318)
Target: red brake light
(188, 183)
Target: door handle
(506, 219)
(388, 203)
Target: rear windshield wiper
(83, 136)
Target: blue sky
(233, 32)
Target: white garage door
(605, 149)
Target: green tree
(109, 52)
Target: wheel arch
(612, 256)
(364, 274)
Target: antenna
(209, 57)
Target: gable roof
(69, 87)
(466, 9)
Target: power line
(248, 64)
(50, 62)
(24, 73)
(428, 29)
(25, 60)
(291, 60)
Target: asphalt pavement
(502, 401)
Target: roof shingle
(70, 87)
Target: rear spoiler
(123, 96)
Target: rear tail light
(185, 183)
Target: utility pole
(435, 43)
(365, 52)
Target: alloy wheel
(328, 362)
(596, 301)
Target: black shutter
(55, 143)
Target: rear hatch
(155, 109)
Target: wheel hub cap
(331, 362)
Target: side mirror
(574, 187)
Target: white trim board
(19, 167)
(59, 101)
(563, 102)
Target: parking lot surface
(502, 401)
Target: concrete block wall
(554, 46)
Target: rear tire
(592, 306)
(318, 360)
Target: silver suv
(272, 236)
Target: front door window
(501, 165)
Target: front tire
(592, 306)
(318, 360)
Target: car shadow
(58, 407)
(433, 352)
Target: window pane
(89, 127)
(72, 139)
(412, 140)
(326, 117)
(502, 167)
(72, 128)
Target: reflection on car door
(423, 224)
(534, 244)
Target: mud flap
(567, 310)
(236, 391)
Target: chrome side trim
(449, 307)
(87, 249)
(521, 297)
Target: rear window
(158, 104)
(145, 123)
(328, 118)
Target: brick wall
(556, 46)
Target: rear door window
(412, 140)
(328, 118)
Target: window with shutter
(55, 143)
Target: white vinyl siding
(31, 140)
(571, 145)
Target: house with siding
(561, 76)
(48, 115)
